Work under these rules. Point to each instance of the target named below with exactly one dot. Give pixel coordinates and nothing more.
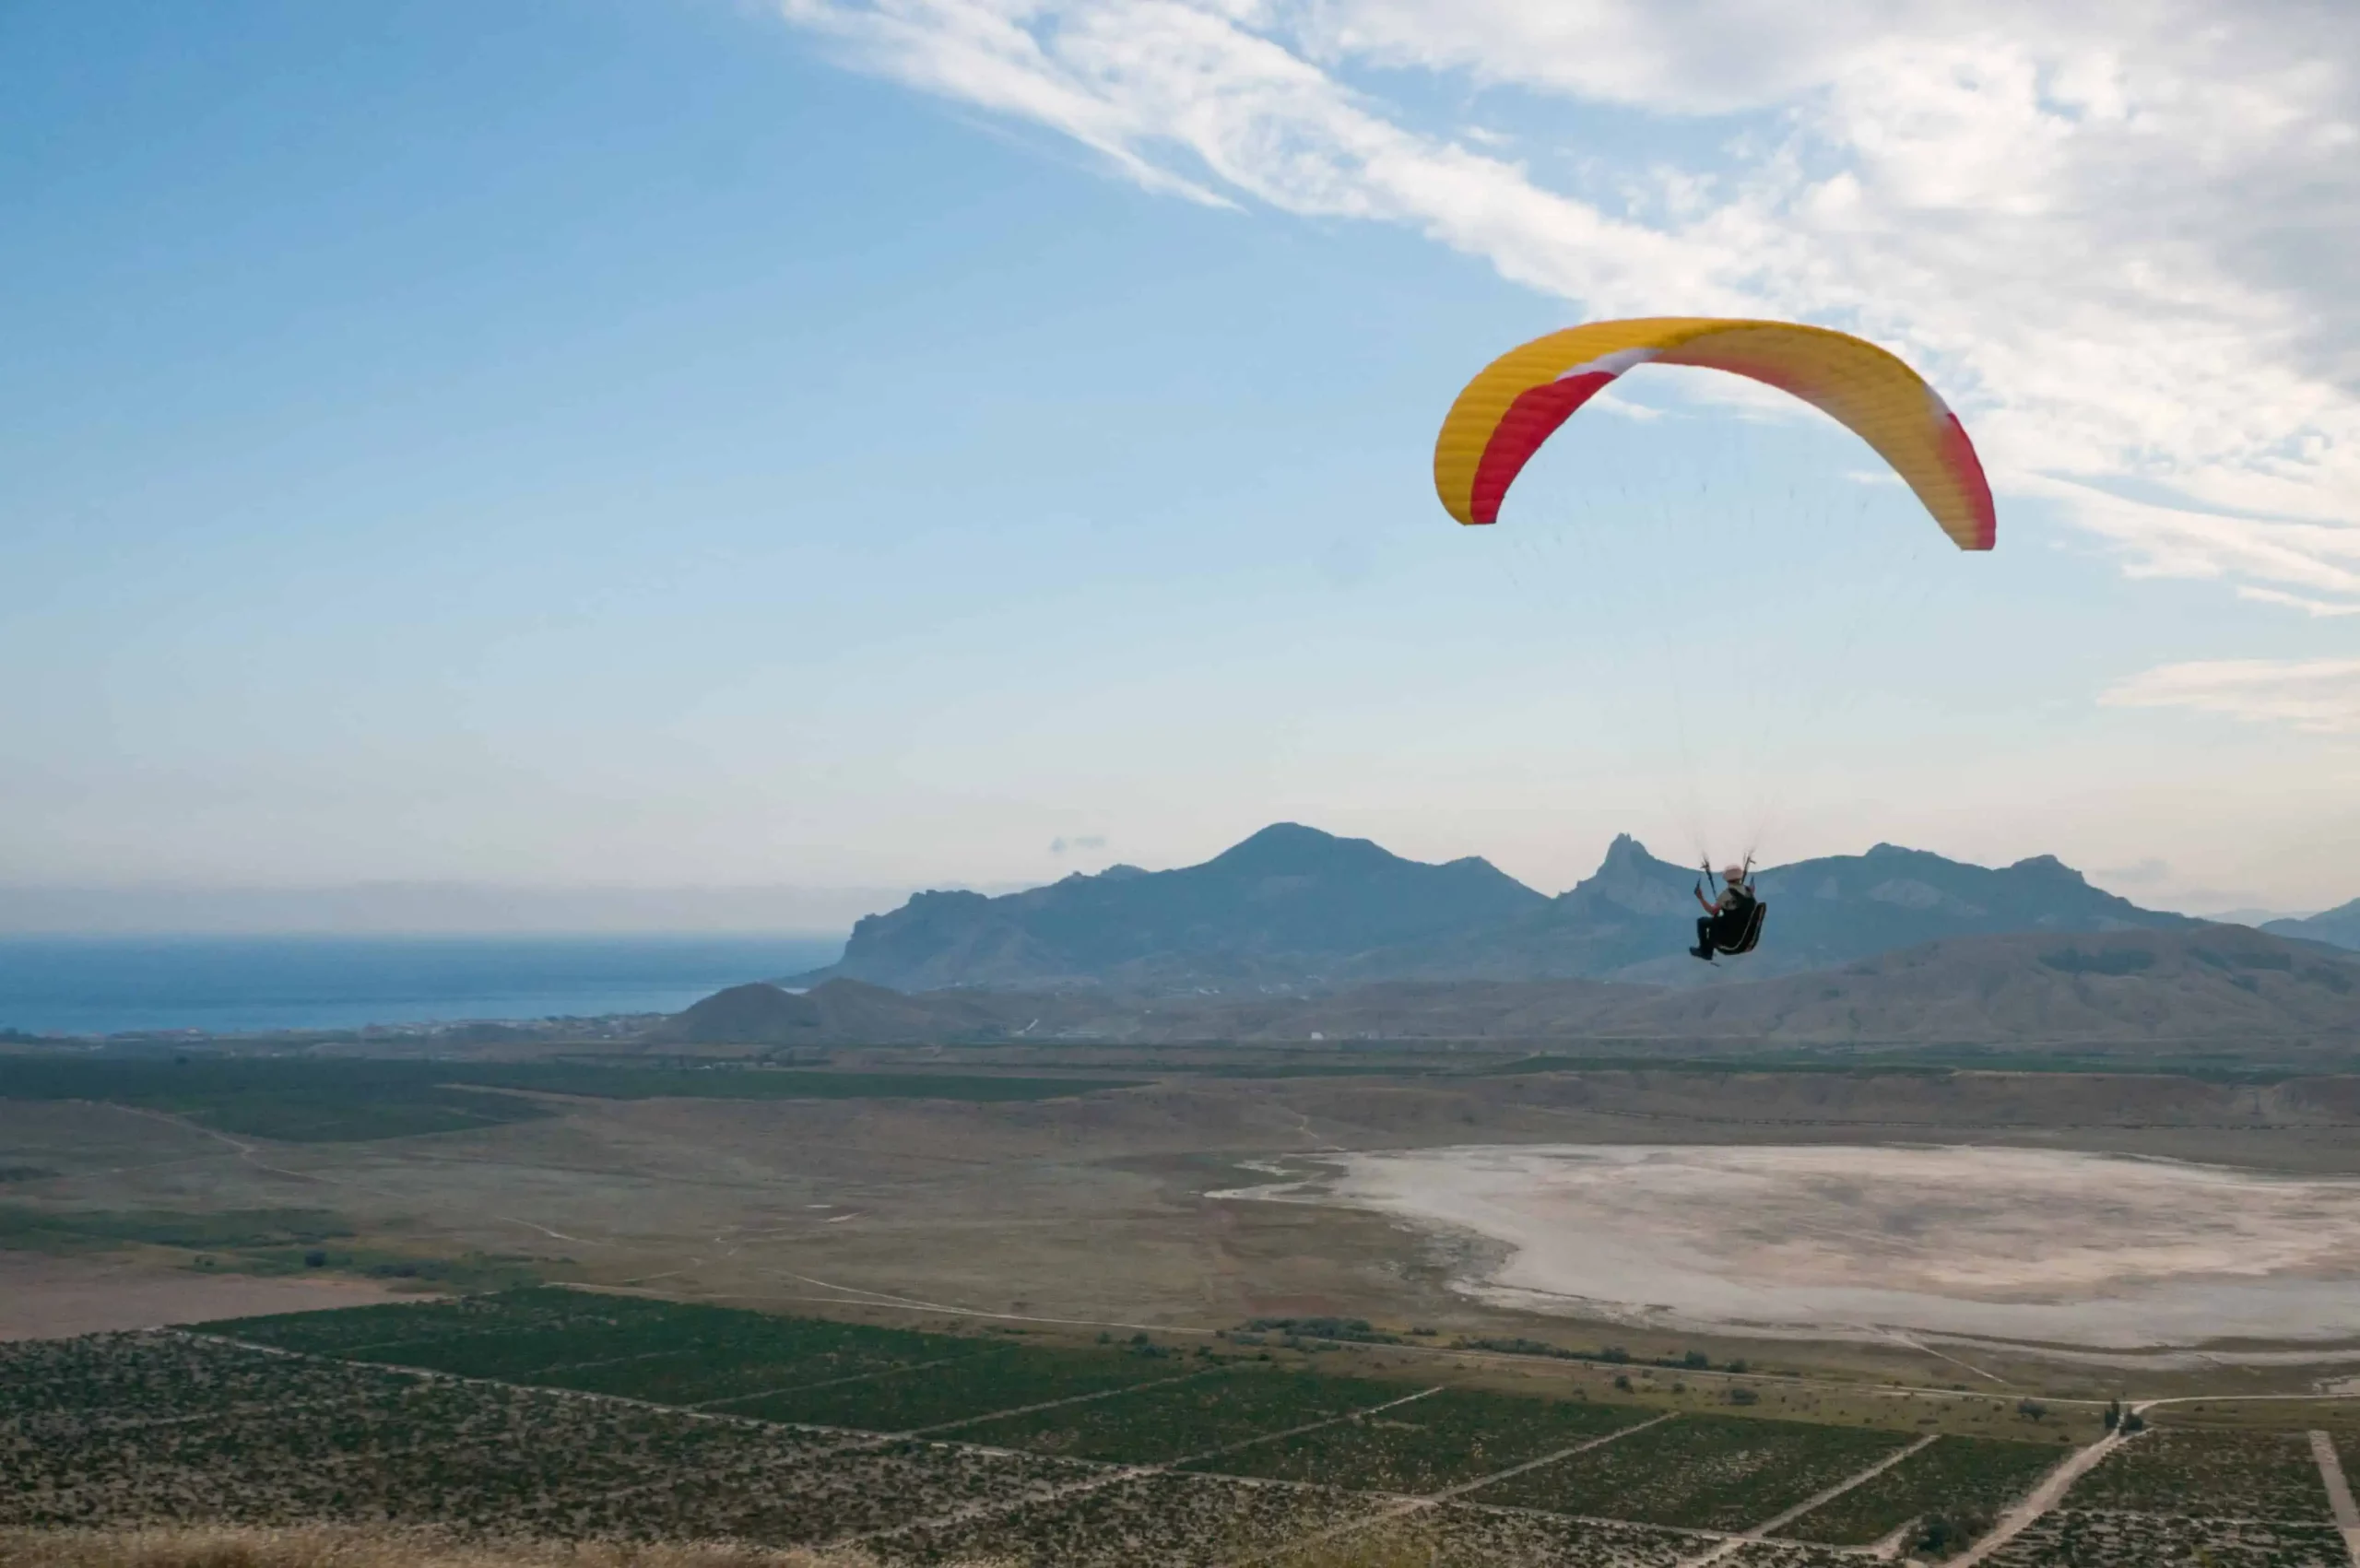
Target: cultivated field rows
(1973, 1476)
(2088, 1538)
(553, 1413)
(2265, 1474)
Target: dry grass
(330, 1546)
(1397, 1547)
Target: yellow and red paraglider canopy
(1521, 397)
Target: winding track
(2339, 1491)
(2047, 1495)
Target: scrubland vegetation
(553, 1415)
(2077, 1538)
(1954, 1478)
(332, 1547)
(1707, 1472)
(2261, 1475)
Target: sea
(102, 985)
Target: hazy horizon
(449, 909)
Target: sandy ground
(43, 1298)
(1094, 1212)
(2007, 1243)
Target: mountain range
(1293, 909)
(2339, 927)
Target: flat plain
(1062, 1198)
(1028, 1325)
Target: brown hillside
(836, 1012)
(2216, 983)
(2220, 985)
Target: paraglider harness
(1732, 931)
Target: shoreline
(1864, 1243)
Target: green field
(732, 1082)
(1955, 1477)
(1199, 1416)
(2070, 1538)
(332, 1102)
(2260, 1475)
(356, 1330)
(1709, 1472)
(1003, 1378)
(65, 1229)
(1440, 1439)
(293, 1101)
(659, 1351)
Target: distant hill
(2225, 986)
(1292, 908)
(1284, 907)
(2339, 927)
(838, 1011)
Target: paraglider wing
(1522, 398)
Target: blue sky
(648, 444)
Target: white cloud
(2318, 696)
(2317, 609)
(2158, 540)
(2117, 234)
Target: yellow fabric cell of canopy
(1522, 398)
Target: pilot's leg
(1704, 948)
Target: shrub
(1946, 1534)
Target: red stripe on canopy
(1532, 418)
(1969, 468)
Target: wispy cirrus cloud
(2119, 234)
(2316, 696)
